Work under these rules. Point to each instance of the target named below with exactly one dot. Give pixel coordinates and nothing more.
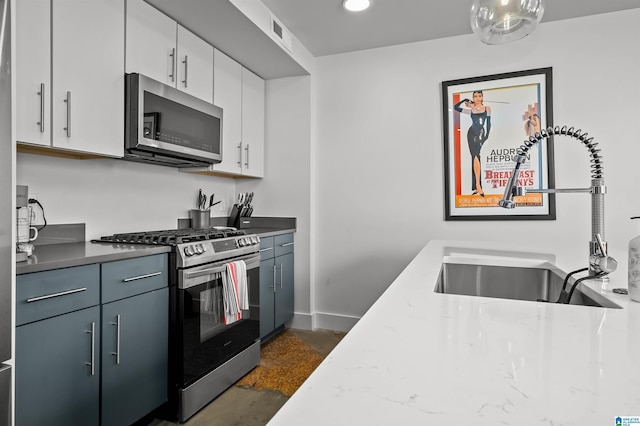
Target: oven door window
(208, 305)
(206, 340)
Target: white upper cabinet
(87, 74)
(33, 76)
(227, 94)
(195, 65)
(252, 124)
(240, 94)
(160, 48)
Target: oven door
(206, 341)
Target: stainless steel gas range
(207, 353)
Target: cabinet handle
(240, 154)
(266, 249)
(274, 278)
(281, 276)
(117, 352)
(93, 348)
(140, 277)
(62, 293)
(173, 65)
(286, 244)
(41, 122)
(185, 71)
(247, 149)
(68, 101)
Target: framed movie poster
(486, 119)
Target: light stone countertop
(424, 358)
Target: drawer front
(283, 244)
(266, 248)
(46, 294)
(126, 278)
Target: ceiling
(325, 28)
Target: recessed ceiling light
(356, 5)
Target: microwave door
(163, 123)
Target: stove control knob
(198, 249)
(255, 239)
(188, 251)
(241, 242)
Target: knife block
(234, 216)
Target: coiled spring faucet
(600, 263)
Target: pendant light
(503, 21)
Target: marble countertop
(422, 358)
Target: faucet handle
(603, 249)
(603, 264)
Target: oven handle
(208, 271)
(251, 262)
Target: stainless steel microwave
(166, 126)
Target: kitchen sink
(512, 282)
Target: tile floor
(249, 407)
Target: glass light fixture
(356, 5)
(503, 21)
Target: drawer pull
(286, 244)
(140, 277)
(62, 293)
(266, 249)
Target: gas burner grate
(171, 237)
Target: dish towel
(235, 292)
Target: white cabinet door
(252, 124)
(151, 42)
(160, 48)
(33, 59)
(195, 65)
(88, 76)
(227, 94)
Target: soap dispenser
(634, 267)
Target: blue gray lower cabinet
(92, 343)
(276, 283)
(58, 370)
(134, 356)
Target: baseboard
(334, 322)
(323, 321)
(301, 321)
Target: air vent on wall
(281, 33)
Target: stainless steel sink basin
(510, 282)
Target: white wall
(379, 149)
(286, 189)
(112, 196)
(354, 152)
